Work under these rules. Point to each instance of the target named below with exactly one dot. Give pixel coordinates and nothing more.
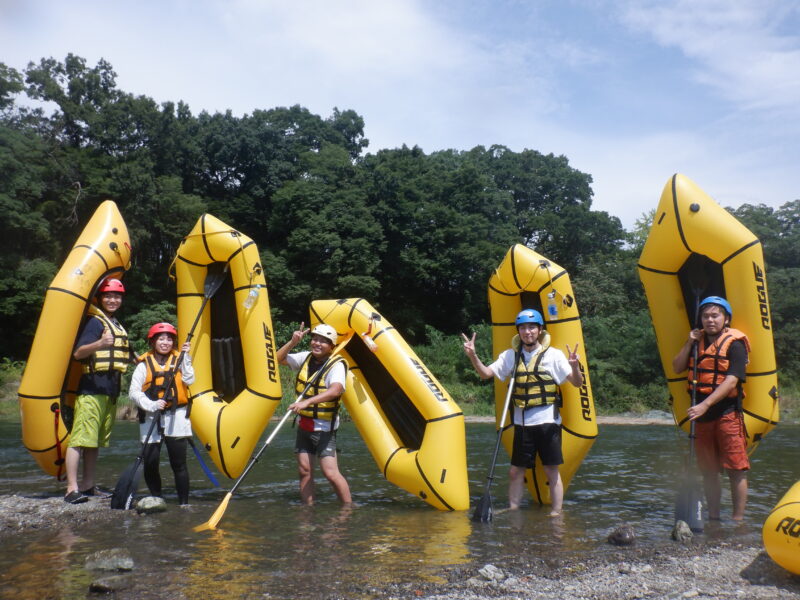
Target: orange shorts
(721, 444)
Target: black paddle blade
(214, 278)
(125, 490)
(483, 510)
(689, 505)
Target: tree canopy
(417, 234)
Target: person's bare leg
(556, 489)
(73, 457)
(330, 468)
(516, 487)
(738, 481)
(89, 466)
(713, 490)
(305, 469)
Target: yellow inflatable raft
(782, 531)
(526, 279)
(696, 248)
(237, 387)
(412, 428)
(47, 390)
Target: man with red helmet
(103, 350)
(160, 395)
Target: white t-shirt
(175, 423)
(336, 374)
(554, 362)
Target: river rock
(682, 532)
(151, 504)
(491, 573)
(109, 585)
(116, 559)
(624, 535)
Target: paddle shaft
(490, 477)
(255, 458)
(694, 369)
(203, 464)
(694, 399)
(212, 284)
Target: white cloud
(722, 106)
(749, 51)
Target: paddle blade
(483, 510)
(689, 505)
(214, 277)
(217, 516)
(125, 490)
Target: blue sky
(631, 92)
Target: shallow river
(269, 546)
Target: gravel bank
(672, 572)
(19, 514)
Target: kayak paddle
(483, 510)
(217, 516)
(689, 503)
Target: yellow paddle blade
(217, 516)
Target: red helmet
(111, 285)
(161, 328)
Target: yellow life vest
(154, 383)
(533, 385)
(322, 410)
(115, 358)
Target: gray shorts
(320, 443)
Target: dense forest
(416, 234)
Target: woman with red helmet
(103, 350)
(158, 394)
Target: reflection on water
(270, 545)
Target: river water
(269, 546)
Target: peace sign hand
(572, 355)
(469, 344)
(298, 335)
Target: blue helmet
(719, 301)
(529, 316)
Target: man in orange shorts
(720, 440)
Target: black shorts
(319, 443)
(544, 440)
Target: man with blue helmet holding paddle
(720, 367)
(536, 370)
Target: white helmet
(327, 332)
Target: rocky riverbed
(674, 571)
(696, 568)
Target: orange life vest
(713, 362)
(154, 383)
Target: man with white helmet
(537, 370)
(320, 382)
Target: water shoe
(75, 498)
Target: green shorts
(94, 418)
